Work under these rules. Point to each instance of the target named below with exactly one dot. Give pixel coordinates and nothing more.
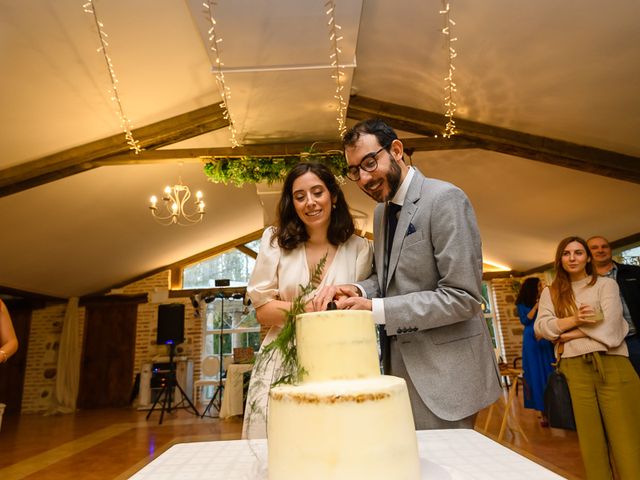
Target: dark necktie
(392, 222)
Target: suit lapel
(409, 209)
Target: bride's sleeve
(263, 284)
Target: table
(232, 399)
(444, 454)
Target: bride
(313, 222)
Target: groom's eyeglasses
(368, 164)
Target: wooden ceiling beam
(9, 293)
(269, 150)
(542, 149)
(247, 251)
(85, 157)
(196, 154)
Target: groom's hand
(332, 293)
(354, 303)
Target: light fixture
(176, 209)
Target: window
(628, 256)
(228, 322)
(233, 265)
(234, 323)
(487, 310)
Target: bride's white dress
(278, 275)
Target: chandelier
(175, 208)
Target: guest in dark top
(628, 279)
(537, 355)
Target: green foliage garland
(241, 170)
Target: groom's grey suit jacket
(433, 297)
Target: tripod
(168, 390)
(220, 387)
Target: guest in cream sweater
(582, 313)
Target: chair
(504, 379)
(210, 376)
(513, 376)
(517, 365)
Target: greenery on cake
(291, 372)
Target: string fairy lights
(125, 123)
(450, 85)
(215, 41)
(337, 74)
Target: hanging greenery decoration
(241, 170)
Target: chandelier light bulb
(175, 207)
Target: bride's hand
(332, 293)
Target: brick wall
(42, 357)
(46, 329)
(505, 292)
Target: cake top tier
(337, 345)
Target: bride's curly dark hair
(290, 231)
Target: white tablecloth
(232, 401)
(444, 454)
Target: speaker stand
(166, 394)
(220, 388)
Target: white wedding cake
(345, 421)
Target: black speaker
(170, 324)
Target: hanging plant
(241, 170)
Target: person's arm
(272, 313)
(551, 327)
(8, 339)
(524, 313)
(571, 335)
(263, 286)
(612, 330)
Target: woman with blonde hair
(582, 313)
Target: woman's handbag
(557, 401)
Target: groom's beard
(392, 179)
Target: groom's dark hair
(373, 126)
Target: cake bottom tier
(344, 429)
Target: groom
(426, 288)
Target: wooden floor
(113, 444)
